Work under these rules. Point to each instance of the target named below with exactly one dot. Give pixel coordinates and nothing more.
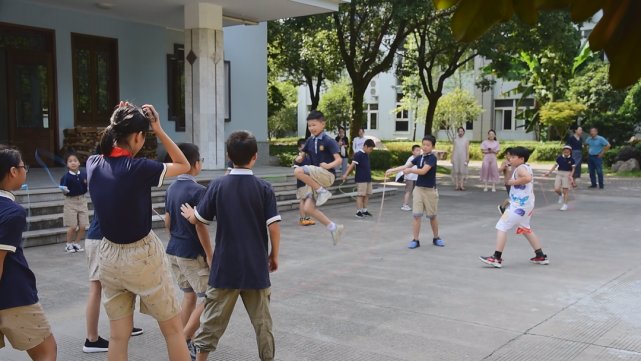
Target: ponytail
(107, 141)
(125, 120)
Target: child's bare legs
(566, 193)
(93, 310)
(187, 308)
(301, 208)
(434, 224)
(47, 350)
(299, 173)
(501, 240)
(119, 338)
(172, 330)
(406, 199)
(360, 202)
(365, 201)
(194, 321)
(310, 208)
(71, 234)
(81, 233)
(416, 226)
(202, 356)
(534, 240)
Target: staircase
(44, 206)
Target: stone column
(205, 82)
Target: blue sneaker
(414, 244)
(438, 242)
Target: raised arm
(179, 164)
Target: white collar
(72, 173)
(241, 171)
(6, 194)
(186, 177)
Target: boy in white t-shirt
(410, 178)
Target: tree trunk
(358, 97)
(431, 110)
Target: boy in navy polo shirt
(363, 177)
(245, 209)
(22, 320)
(324, 156)
(189, 249)
(425, 193)
(302, 189)
(75, 212)
(564, 175)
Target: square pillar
(205, 82)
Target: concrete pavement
(370, 298)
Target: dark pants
(595, 166)
(577, 155)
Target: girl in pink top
(489, 169)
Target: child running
(302, 189)
(132, 260)
(363, 177)
(189, 249)
(519, 212)
(410, 179)
(75, 212)
(564, 166)
(425, 193)
(324, 156)
(506, 170)
(22, 319)
(245, 209)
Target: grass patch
(626, 174)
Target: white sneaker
(322, 197)
(564, 207)
(405, 207)
(337, 234)
(69, 248)
(560, 200)
(484, 189)
(77, 247)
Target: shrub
(381, 159)
(286, 159)
(545, 152)
(610, 157)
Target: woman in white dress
(460, 159)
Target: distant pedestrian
(363, 177)
(597, 146)
(563, 181)
(343, 146)
(410, 178)
(489, 169)
(75, 212)
(357, 143)
(460, 159)
(575, 141)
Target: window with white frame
(402, 116)
(371, 116)
(504, 114)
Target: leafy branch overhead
(618, 32)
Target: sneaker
(70, 249)
(136, 331)
(359, 214)
(500, 208)
(414, 244)
(405, 207)
(336, 234)
(367, 214)
(484, 189)
(564, 207)
(322, 197)
(496, 263)
(560, 201)
(77, 247)
(438, 242)
(494, 190)
(192, 350)
(100, 345)
(540, 260)
(309, 221)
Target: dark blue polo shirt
(564, 163)
(363, 171)
(94, 228)
(183, 240)
(306, 161)
(120, 189)
(429, 179)
(18, 283)
(321, 149)
(244, 206)
(75, 182)
(576, 144)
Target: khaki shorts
(137, 269)
(322, 176)
(425, 201)
(302, 192)
(75, 212)
(192, 275)
(562, 180)
(364, 189)
(25, 327)
(92, 246)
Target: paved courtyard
(370, 298)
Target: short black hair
(521, 152)
(508, 150)
(369, 143)
(316, 115)
(300, 141)
(459, 128)
(415, 146)
(71, 153)
(191, 152)
(241, 147)
(9, 158)
(431, 138)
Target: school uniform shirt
(565, 164)
(120, 189)
(306, 161)
(75, 182)
(363, 171)
(183, 240)
(244, 207)
(18, 283)
(429, 179)
(94, 228)
(321, 149)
